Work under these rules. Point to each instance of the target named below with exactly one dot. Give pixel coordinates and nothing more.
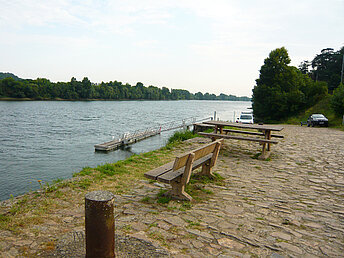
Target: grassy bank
(322, 107)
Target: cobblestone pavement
(289, 206)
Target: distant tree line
(14, 87)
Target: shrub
(337, 101)
(181, 136)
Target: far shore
(59, 99)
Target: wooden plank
(187, 171)
(171, 175)
(247, 126)
(251, 133)
(214, 135)
(204, 125)
(153, 174)
(199, 153)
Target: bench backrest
(182, 160)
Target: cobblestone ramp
(291, 205)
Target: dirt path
(291, 205)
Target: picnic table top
(247, 126)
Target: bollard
(100, 224)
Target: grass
(155, 224)
(146, 199)
(159, 237)
(192, 224)
(185, 206)
(162, 199)
(180, 136)
(196, 187)
(322, 107)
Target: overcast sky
(215, 46)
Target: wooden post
(100, 224)
(268, 136)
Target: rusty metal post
(100, 224)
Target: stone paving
(291, 205)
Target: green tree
(87, 89)
(337, 101)
(165, 93)
(281, 90)
(327, 67)
(268, 97)
(199, 95)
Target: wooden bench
(265, 151)
(177, 173)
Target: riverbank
(289, 205)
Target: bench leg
(178, 192)
(265, 152)
(206, 170)
(268, 136)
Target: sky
(215, 46)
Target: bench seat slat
(170, 176)
(237, 137)
(153, 174)
(252, 133)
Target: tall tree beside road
(282, 90)
(325, 67)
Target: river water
(47, 140)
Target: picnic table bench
(177, 173)
(263, 130)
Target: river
(47, 140)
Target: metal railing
(184, 123)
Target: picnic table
(263, 130)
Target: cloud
(36, 13)
(208, 39)
(107, 16)
(146, 43)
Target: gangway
(130, 138)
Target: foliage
(337, 101)
(180, 136)
(6, 75)
(44, 89)
(321, 107)
(326, 67)
(281, 90)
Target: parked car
(245, 118)
(317, 119)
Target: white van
(246, 117)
